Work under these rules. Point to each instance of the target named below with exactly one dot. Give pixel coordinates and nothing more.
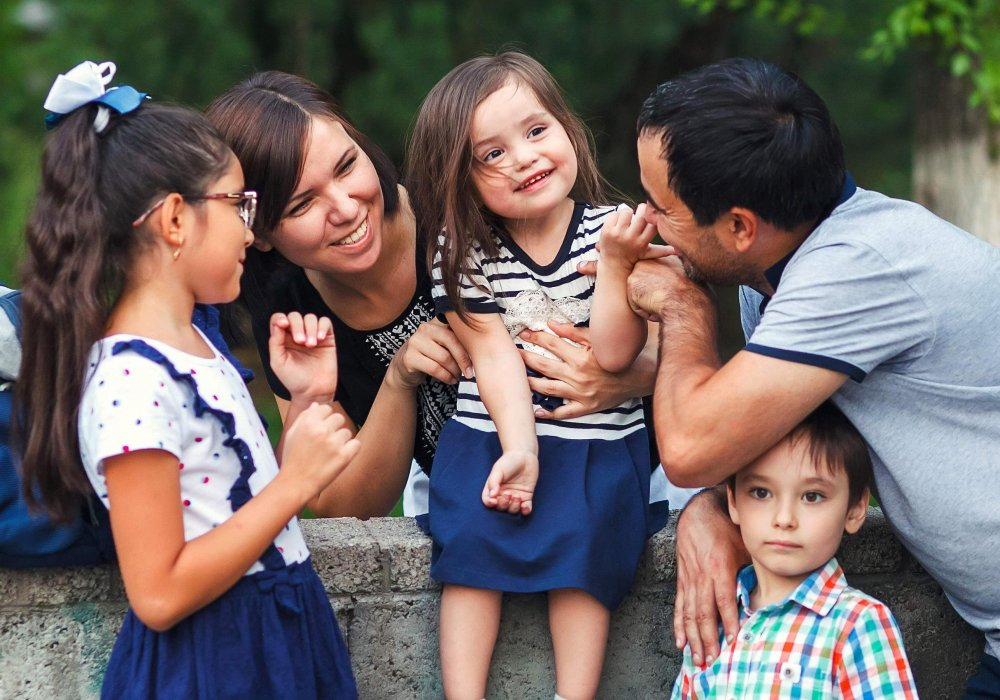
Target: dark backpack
(30, 539)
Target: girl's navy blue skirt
(272, 635)
(588, 529)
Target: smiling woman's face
(333, 222)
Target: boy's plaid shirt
(826, 640)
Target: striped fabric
(826, 640)
(514, 285)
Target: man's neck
(777, 245)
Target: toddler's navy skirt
(272, 635)
(588, 528)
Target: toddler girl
(142, 213)
(508, 196)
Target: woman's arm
(503, 387)
(371, 485)
(166, 578)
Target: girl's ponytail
(81, 247)
(66, 299)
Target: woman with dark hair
(336, 236)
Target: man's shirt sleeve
(843, 307)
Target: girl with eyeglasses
(141, 213)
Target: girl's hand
(575, 377)
(625, 238)
(304, 356)
(511, 483)
(316, 448)
(432, 351)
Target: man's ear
(734, 513)
(743, 228)
(856, 514)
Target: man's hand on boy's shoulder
(709, 554)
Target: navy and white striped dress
(591, 513)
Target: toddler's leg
(470, 619)
(579, 625)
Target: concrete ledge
(57, 626)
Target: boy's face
(791, 514)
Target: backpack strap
(10, 343)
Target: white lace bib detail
(533, 309)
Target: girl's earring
(177, 250)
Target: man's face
(704, 250)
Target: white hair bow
(80, 86)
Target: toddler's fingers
(655, 250)
(491, 491)
(624, 212)
(503, 502)
(513, 504)
(488, 500)
(526, 507)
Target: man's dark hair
(834, 445)
(745, 133)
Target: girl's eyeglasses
(246, 206)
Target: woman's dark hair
(81, 248)
(440, 161)
(745, 133)
(267, 121)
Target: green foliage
(379, 58)
(966, 33)
(963, 34)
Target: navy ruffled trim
(239, 493)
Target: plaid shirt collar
(818, 592)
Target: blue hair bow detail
(86, 84)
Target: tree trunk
(956, 169)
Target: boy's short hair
(834, 444)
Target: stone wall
(57, 626)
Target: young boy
(804, 633)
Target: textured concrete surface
(57, 626)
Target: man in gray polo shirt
(873, 302)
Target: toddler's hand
(304, 355)
(626, 237)
(317, 447)
(511, 483)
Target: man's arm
(711, 419)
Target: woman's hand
(576, 377)
(304, 356)
(432, 351)
(511, 483)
